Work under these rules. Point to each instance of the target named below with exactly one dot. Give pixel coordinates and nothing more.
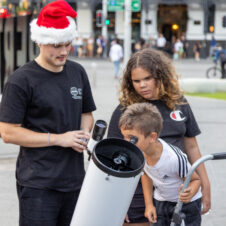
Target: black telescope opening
(118, 157)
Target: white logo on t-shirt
(177, 115)
(76, 93)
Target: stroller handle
(177, 215)
(218, 156)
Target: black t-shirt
(176, 125)
(45, 101)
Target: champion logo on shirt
(177, 115)
(76, 93)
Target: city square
(61, 60)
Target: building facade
(197, 20)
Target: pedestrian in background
(90, 43)
(161, 42)
(212, 46)
(220, 54)
(47, 109)
(116, 55)
(151, 42)
(185, 46)
(101, 44)
(79, 47)
(150, 77)
(178, 50)
(76, 45)
(197, 49)
(139, 45)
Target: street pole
(104, 30)
(127, 29)
(206, 15)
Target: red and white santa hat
(55, 24)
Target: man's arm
(87, 122)
(193, 153)
(15, 134)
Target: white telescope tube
(109, 185)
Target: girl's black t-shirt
(176, 124)
(44, 101)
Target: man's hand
(74, 139)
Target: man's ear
(153, 137)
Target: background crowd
(177, 48)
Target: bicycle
(214, 71)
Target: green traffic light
(107, 21)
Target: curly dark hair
(162, 70)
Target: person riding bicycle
(220, 54)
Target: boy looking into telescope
(165, 168)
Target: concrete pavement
(210, 115)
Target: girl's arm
(193, 152)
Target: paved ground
(210, 115)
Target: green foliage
(219, 95)
(3, 3)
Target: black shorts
(165, 209)
(136, 215)
(45, 207)
(137, 207)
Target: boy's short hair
(144, 117)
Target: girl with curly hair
(151, 77)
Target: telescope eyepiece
(99, 130)
(133, 139)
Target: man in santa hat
(47, 109)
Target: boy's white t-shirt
(168, 173)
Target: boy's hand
(187, 195)
(150, 213)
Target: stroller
(178, 216)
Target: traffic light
(224, 21)
(211, 28)
(107, 22)
(99, 19)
